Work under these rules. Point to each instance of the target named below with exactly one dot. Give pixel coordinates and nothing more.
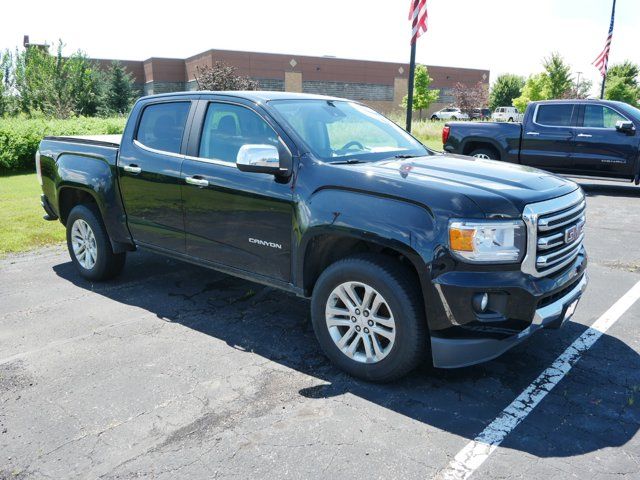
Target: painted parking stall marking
(469, 459)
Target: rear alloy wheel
(368, 316)
(483, 153)
(83, 243)
(89, 245)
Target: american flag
(602, 62)
(418, 17)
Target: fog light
(480, 302)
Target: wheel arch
(471, 144)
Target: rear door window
(162, 126)
(555, 115)
(599, 116)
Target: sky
(504, 36)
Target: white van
(506, 114)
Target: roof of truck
(254, 95)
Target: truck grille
(555, 233)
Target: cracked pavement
(174, 371)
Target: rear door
(600, 149)
(238, 219)
(548, 137)
(149, 172)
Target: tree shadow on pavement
(589, 410)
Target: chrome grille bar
(552, 227)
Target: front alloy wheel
(368, 315)
(360, 322)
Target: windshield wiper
(405, 155)
(350, 161)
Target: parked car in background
(404, 252)
(506, 114)
(449, 113)
(480, 114)
(593, 138)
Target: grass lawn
(21, 224)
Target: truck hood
(498, 188)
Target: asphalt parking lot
(173, 371)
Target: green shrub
(20, 137)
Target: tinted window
(554, 115)
(228, 127)
(599, 116)
(162, 126)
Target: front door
(149, 171)
(238, 219)
(548, 137)
(600, 149)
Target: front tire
(89, 245)
(368, 316)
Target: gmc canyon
(580, 138)
(403, 251)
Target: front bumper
(462, 352)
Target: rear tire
(484, 153)
(434, 117)
(389, 330)
(89, 245)
(510, 119)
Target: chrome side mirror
(259, 159)
(625, 126)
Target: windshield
(629, 109)
(342, 130)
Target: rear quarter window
(162, 126)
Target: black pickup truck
(404, 252)
(581, 138)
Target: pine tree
(120, 88)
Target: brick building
(381, 85)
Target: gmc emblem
(573, 233)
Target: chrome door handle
(200, 182)
(533, 133)
(584, 135)
(132, 169)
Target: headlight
(488, 241)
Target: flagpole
(412, 69)
(604, 77)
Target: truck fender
(407, 228)
(94, 176)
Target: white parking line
(477, 451)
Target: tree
(622, 83)
(559, 76)
(223, 77)
(423, 96)
(581, 89)
(535, 88)
(469, 98)
(5, 79)
(56, 85)
(505, 90)
(119, 95)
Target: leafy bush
(19, 137)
